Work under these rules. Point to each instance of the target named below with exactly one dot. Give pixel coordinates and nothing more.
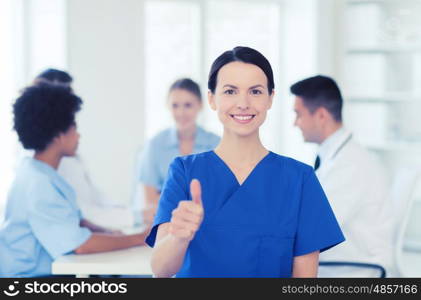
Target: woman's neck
(51, 158)
(240, 150)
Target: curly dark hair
(43, 112)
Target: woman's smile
(242, 118)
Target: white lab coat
(358, 190)
(93, 204)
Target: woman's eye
(229, 92)
(174, 105)
(256, 92)
(187, 105)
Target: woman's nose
(243, 102)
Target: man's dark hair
(188, 85)
(242, 54)
(43, 112)
(320, 91)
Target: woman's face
(185, 107)
(241, 97)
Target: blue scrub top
(254, 229)
(41, 222)
(161, 150)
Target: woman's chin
(243, 132)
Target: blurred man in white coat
(352, 178)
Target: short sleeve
(317, 227)
(175, 189)
(147, 166)
(55, 222)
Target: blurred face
(308, 122)
(241, 98)
(69, 141)
(185, 107)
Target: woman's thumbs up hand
(188, 216)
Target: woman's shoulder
(150, 147)
(162, 136)
(290, 164)
(196, 157)
(188, 161)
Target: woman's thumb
(196, 191)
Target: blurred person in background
(354, 180)
(42, 219)
(184, 138)
(95, 206)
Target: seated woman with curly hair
(42, 220)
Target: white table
(132, 261)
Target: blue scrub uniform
(254, 229)
(41, 222)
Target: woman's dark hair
(43, 112)
(243, 54)
(320, 91)
(188, 85)
(54, 76)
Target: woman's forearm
(306, 265)
(93, 227)
(168, 256)
(173, 238)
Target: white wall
(105, 58)
(300, 61)
(45, 43)
(8, 83)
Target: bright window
(184, 37)
(32, 38)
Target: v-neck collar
(232, 173)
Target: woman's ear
(57, 140)
(271, 99)
(211, 100)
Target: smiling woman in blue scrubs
(241, 210)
